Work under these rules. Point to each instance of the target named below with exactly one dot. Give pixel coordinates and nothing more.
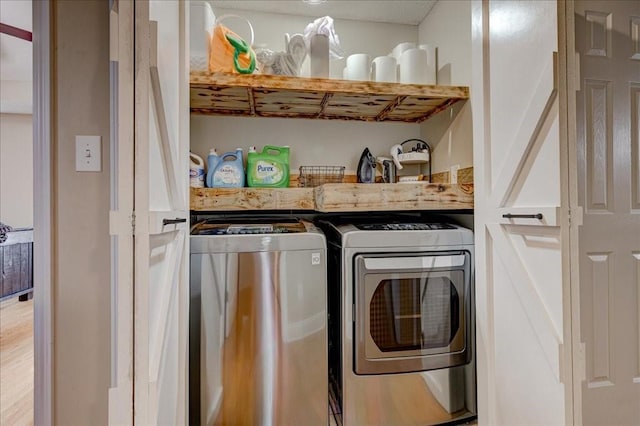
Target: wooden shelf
(296, 97)
(354, 197)
(337, 197)
(237, 199)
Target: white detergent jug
(196, 171)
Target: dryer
(401, 321)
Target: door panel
(609, 239)
(150, 217)
(519, 288)
(164, 325)
(161, 248)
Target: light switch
(88, 154)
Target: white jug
(383, 68)
(359, 67)
(196, 171)
(414, 66)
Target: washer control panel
(403, 226)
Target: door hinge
(580, 357)
(113, 34)
(133, 223)
(577, 81)
(555, 70)
(575, 216)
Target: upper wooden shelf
(297, 97)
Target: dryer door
(412, 311)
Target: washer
(401, 321)
(258, 323)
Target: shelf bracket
(323, 104)
(445, 105)
(252, 101)
(393, 105)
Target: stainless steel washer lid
(309, 239)
(354, 237)
(248, 225)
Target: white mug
(401, 47)
(431, 62)
(358, 66)
(413, 67)
(383, 68)
(345, 73)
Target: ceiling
(398, 11)
(15, 53)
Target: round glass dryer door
(412, 312)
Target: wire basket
(311, 176)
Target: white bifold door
(519, 219)
(150, 212)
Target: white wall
(448, 27)
(16, 133)
(81, 265)
(374, 38)
(312, 142)
(16, 96)
(16, 170)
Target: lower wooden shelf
(337, 197)
(354, 197)
(231, 199)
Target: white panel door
(607, 40)
(152, 319)
(519, 286)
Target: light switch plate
(88, 154)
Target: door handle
(166, 222)
(523, 216)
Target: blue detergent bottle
(229, 171)
(212, 162)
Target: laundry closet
(509, 148)
(329, 123)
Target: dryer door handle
(413, 263)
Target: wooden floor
(16, 362)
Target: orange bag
(229, 52)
